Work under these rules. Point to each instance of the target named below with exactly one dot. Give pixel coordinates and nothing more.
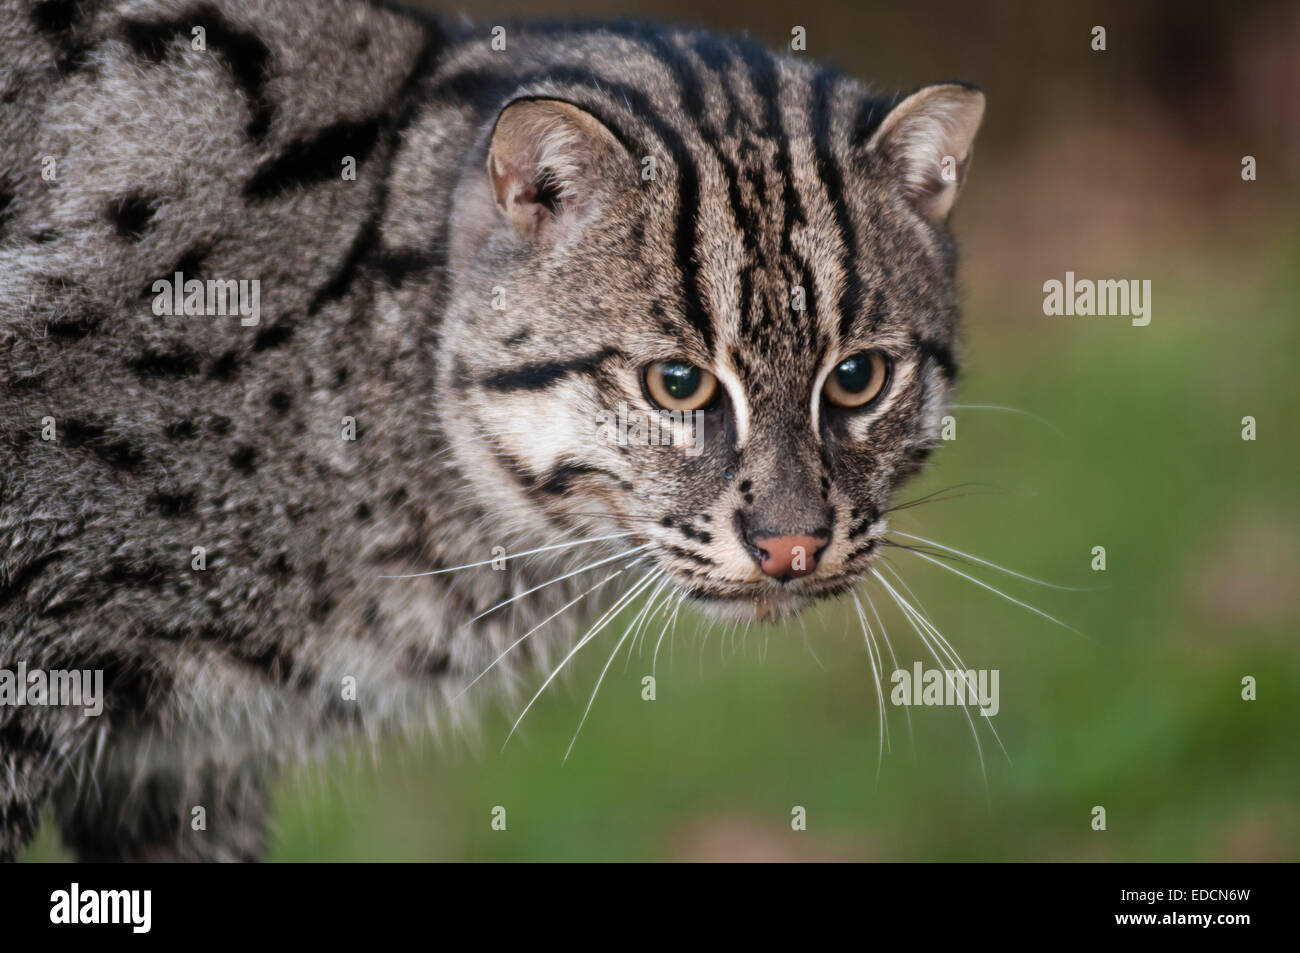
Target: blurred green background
(1117, 164)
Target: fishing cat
(299, 297)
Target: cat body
(296, 298)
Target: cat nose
(786, 557)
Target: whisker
(950, 651)
(568, 575)
(603, 672)
(640, 586)
(936, 496)
(807, 644)
(672, 620)
(912, 617)
(1010, 410)
(991, 565)
(907, 711)
(563, 608)
(875, 674)
(995, 590)
(531, 552)
(643, 616)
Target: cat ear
(926, 140)
(551, 166)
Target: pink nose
(782, 556)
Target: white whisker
(875, 674)
(603, 672)
(640, 585)
(563, 608)
(531, 552)
(913, 617)
(907, 711)
(1010, 410)
(996, 591)
(644, 616)
(672, 620)
(991, 565)
(568, 575)
(950, 650)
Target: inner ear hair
(927, 141)
(548, 165)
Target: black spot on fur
(174, 503)
(55, 16)
(273, 336)
(6, 200)
(247, 57)
(224, 367)
(180, 430)
(687, 554)
(280, 565)
(219, 425)
(190, 265)
(363, 511)
(244, 459)
(116, 451)
(309, 162)
(396, 266)
(280, 402)
(73, 327)
(178, 362)
(131, 215)
(75, 57)
(322, 607)
(690, 532)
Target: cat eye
(680, 385)
(858, 380)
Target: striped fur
(474, 360)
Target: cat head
(715, 313)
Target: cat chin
(759, 608)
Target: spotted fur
(475, 337)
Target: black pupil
(854, 374)
(681, 380)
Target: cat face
(725, 330)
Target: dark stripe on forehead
(717, 59)
(539, 376)
(762, 67)
(764, 77)
(829, 173)
(688, 207)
